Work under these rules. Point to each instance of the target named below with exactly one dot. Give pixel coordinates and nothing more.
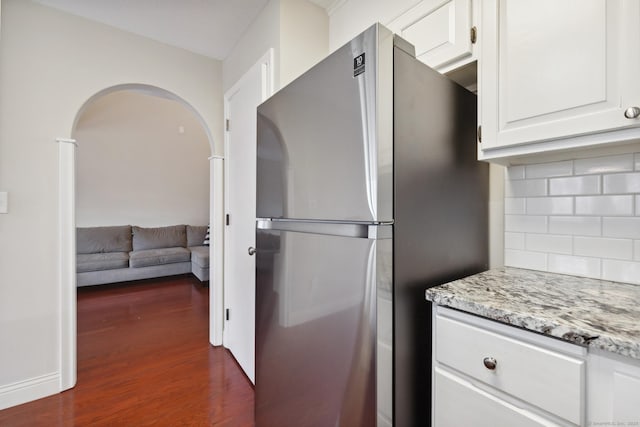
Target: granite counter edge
(535, 324)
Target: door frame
(266, 62)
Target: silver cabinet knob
(632, 113)
(490, 363)
(251, 250)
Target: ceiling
(208, 27)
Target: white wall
(297, 30)
(304, 38)
(141, 160)
(263, 34)
(352, 17)
(50, 64)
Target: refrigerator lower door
(323, 326)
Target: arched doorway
(141, 160)
(67, 188)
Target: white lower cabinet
(460, 403)
(613, 391)
(489, 374)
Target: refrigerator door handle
(361, 231)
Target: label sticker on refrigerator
(358, 65)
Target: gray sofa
(124, 253)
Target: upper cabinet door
(440, 30)
(557, 70)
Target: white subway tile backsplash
(526, 188)
(602, 247)
(621, 183)
(525, 223)
(549, 206)
(604, 205)
(576, 225)
(621, 271)
(578, 185)
(514, 240)
(549, 243)
(515, 206)
(524, 259)
(626, 227)
(546, 170)
(514, 172)
(578, 217)
(620, 163)
(580, 266)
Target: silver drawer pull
(490, 363)
(632, 113)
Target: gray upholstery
(91, 240)
(195, 235)
(101, 261)
(201, 273)
(115, 254)
(125, 274)
(200, 255)
(151, 257)
(159, 237)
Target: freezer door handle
(251, 250)
(361, 231)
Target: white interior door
(241, 102)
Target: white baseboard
(28, 390)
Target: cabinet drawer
(547, 379)
(458, 403)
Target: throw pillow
(206, 237)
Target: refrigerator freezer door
(318, 329)
(324, 144)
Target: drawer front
(458, 403)
(544, 378)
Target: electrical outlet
(4, 202)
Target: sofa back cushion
(159, 237)
(196, 235)
(93, 240)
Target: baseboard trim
(25, 391)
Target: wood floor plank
(144, 359)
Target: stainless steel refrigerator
(368, 192)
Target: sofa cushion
(91, 240)
(200, 255)
(149, 257)
(159, 237)
(102, 261)
(196, 234)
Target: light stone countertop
(591, 312)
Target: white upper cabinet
(561, 74)
(440, 30)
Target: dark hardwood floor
(144, 358)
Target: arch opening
(147, 90)
(67, 229)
